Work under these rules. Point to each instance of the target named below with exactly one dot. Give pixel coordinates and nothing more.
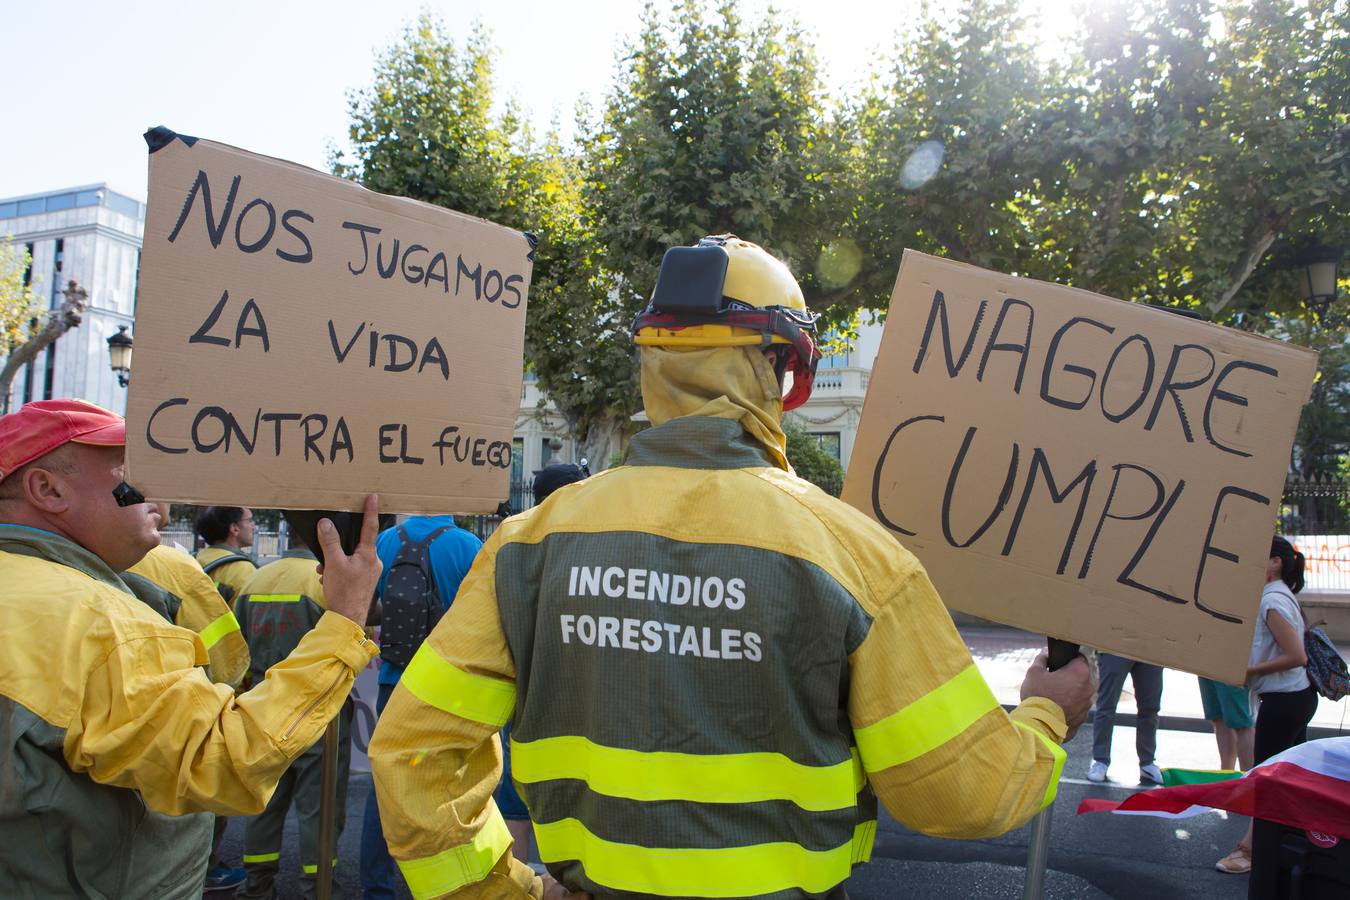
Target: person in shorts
(1229, 711)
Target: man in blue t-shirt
(451, 555)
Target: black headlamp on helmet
(726, 292)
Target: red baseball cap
(38, 428)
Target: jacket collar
(26, 541)
(697, 442)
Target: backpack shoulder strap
(427, 541)
(224, 560)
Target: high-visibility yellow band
(222, 626)
(1059, 755)
(469, 863)
(262, 857)
(274, 598)
(314, 869)
(700, 778)
(927, 723)
(438, 683)
(696, 872)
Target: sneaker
(223, 878)
(1150, 774)
(1097, 771)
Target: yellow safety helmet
(726, 292)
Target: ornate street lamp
(119, 349)
(1320, 270)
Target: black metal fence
(1316, 505)
(521, 499)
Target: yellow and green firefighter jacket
(276, 608)
(201, 609)
(110, 734)
(709, 666)
(229, 577)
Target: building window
(828, 441)
(124, 205)
(57, 266)
(32, 207)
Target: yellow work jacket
(711, 669)
(229, 577)
(110, 733)
(201, 609)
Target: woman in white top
(1276, 672)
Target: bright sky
(87, 77)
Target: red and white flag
(1307, 787)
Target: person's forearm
(1281, 663)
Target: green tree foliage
(425, 128)
(1161, 162)
(810, 460)
(713, 126)
(1177, 151)
(18, 306)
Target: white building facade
(90, 234)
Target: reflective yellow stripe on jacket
(698, 872)
(222, 626)
(1059, 755)
(455, 867)
(699, 778)
(927, 723)
(438, 683)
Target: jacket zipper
(309, 709)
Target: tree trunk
(60, 320)
(603, 439)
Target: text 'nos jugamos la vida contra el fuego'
(368, 251)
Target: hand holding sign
(1077, 466)
(349, 580)
(1070, 686)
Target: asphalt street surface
(1094, 856)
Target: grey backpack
(411, 604)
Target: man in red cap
(111, 736)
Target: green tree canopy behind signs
(1178, 151)
(426, 128)
(810, 460)
(713, 126)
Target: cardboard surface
(301, 341)
(1094, 470)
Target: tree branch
(1258, 242)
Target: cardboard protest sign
(301, 341)
(1090, 469)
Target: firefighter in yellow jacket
(200, 608)
(277, 607)
(112, 739)
(711, 668)
(227, 530)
